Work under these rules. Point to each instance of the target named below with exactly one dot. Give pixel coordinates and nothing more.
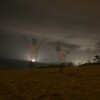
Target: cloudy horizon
(74, 23)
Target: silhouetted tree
(62, 54)
(97, 58)
(34, 47)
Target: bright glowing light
(33, 60)
(79, 62)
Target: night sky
(74, 23)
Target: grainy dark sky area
(74, 22)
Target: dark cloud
(92, 51)
(52, 16)
(63, 44)
(98, 45)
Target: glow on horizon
(79, 62)
(33, 60)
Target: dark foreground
(74, 83)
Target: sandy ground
(74, 83)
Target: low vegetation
(74, 83)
